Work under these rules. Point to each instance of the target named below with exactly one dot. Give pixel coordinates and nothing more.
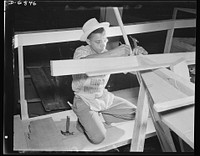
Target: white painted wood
(24, 109)
(142, 112)
(170, 33)
(93, 65)
(114, 65)
(187, 10)
(43, 135)
(118, 134)
(66, 35)
(119, 20)
(181, 122)
(19, 141)
(177, 81)
(174, 104)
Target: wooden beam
(170, 33)
(173, 104)
(142, 112)
(66, 35)
(114, 65)
(193, 11)
(23, 102)
(181, 121)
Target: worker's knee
(98, 138)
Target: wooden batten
(173, 104)
(114, 65)
(66, 35)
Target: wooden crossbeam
(66, 35)
(114, 65)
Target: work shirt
(91, 89)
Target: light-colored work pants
(91, 122)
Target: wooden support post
(142, 112)
(170, 33)
(24, 109)
(163, 132)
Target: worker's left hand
(139, 50)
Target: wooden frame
(170, 32)
(56, 36)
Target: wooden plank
(160, 90)
(65, 35)
(24, 109)
(118, 134)
(46, 91)
(178, 114)
(139, 131)
(193, 11)
(19, 140)
(113, 65)
(162, 131)
(71, 66)
(44, 136)
(181, 121)
(170, 33)
(180, 83)
(172, 104)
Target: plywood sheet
(44, 135)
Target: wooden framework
(33, 38)
(170, 32)
(55, 36)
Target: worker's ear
(88, 41)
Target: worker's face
(98, 42)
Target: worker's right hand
(122, 50)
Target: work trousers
(91, 122)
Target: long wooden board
(65, 35)
(46, 90)
(114, 65)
